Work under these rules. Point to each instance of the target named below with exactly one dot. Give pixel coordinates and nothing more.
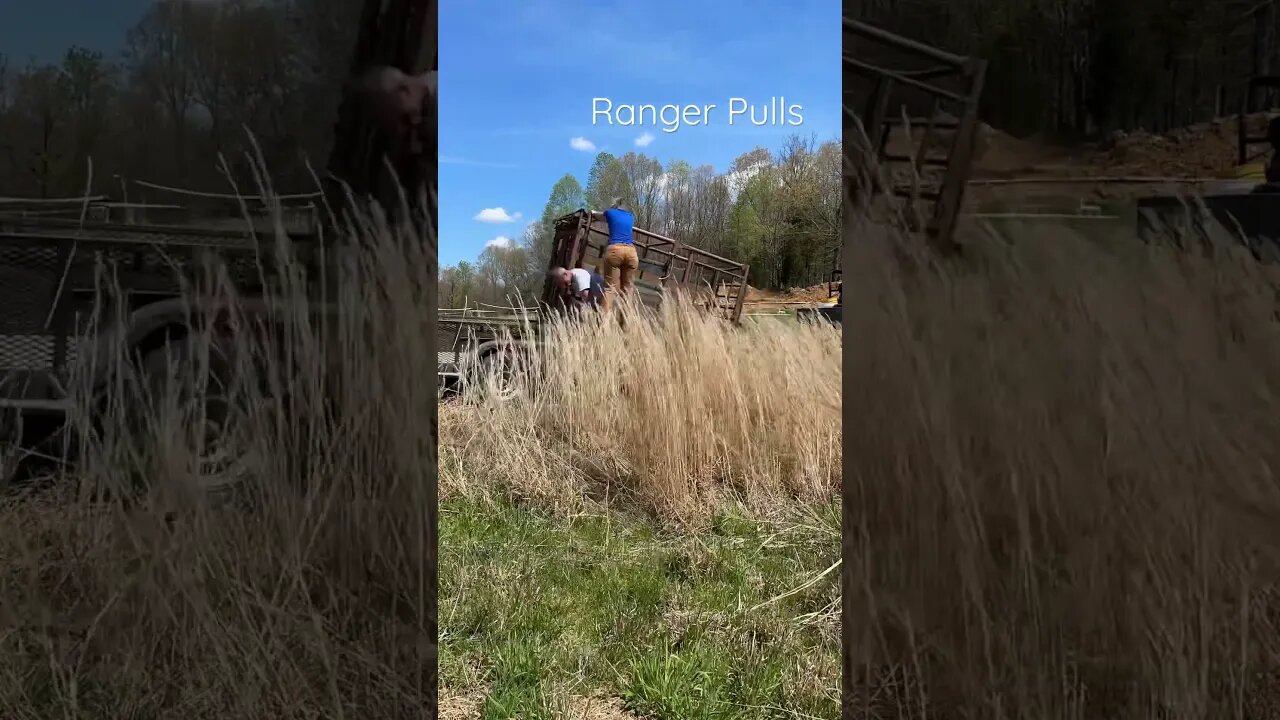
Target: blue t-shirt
(620, 224)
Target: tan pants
(620, 264)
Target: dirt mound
(999, 153)
(995, 152)
(814, 293)
(1203, 149)
(1200, 150)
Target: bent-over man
(579, 287)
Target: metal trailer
(919, 118)
(469, 340)
(477, 337)
(913, 109)
(1246, 207)
(829, 313)
(49, 269)
(57, 277)
(835, 288)
(667, 266)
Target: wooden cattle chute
(907, 86)
(665, 265)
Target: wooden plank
(1106, 179)
(953, 187)
(874, 33)
(1040, 216)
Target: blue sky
(44, 30)
(517, 78)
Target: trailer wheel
(192, 397)
(11, 450)
(497, 374)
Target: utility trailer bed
(49, 283)
(470, 336)
(464, 332)
(666, 266)
(55, 278)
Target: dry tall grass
(1061, 479)
(311, 593)
(675, 412)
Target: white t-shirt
(581, 280)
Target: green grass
(537, 608)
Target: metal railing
(944, 80)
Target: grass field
(546, 616)
(649, 528)
(1061, 467)
(1059, 457)
(124, 593)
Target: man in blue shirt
(620, 261)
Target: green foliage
(607, 180)
(778, 212)
(597, 196)
(457, 284)
(552, 607)
(566, 196)
(746, 231)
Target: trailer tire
(178, 389)
(11, 450)
(497, 374)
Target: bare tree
(162, 59)
(88, 85)
(42, 99)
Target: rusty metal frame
(1248, 106)
(876, 119)
(575, 235)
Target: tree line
(198, 86)
(1080, 69)
(778, 211)
(193, 83)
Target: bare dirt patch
(460, 707)
(1200, 151)
(813, 293)
(599, 708)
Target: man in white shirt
(579, 287)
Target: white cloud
(501, 241)
(496, 215)
(451, 160)
(644, 139)
(581, 143)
